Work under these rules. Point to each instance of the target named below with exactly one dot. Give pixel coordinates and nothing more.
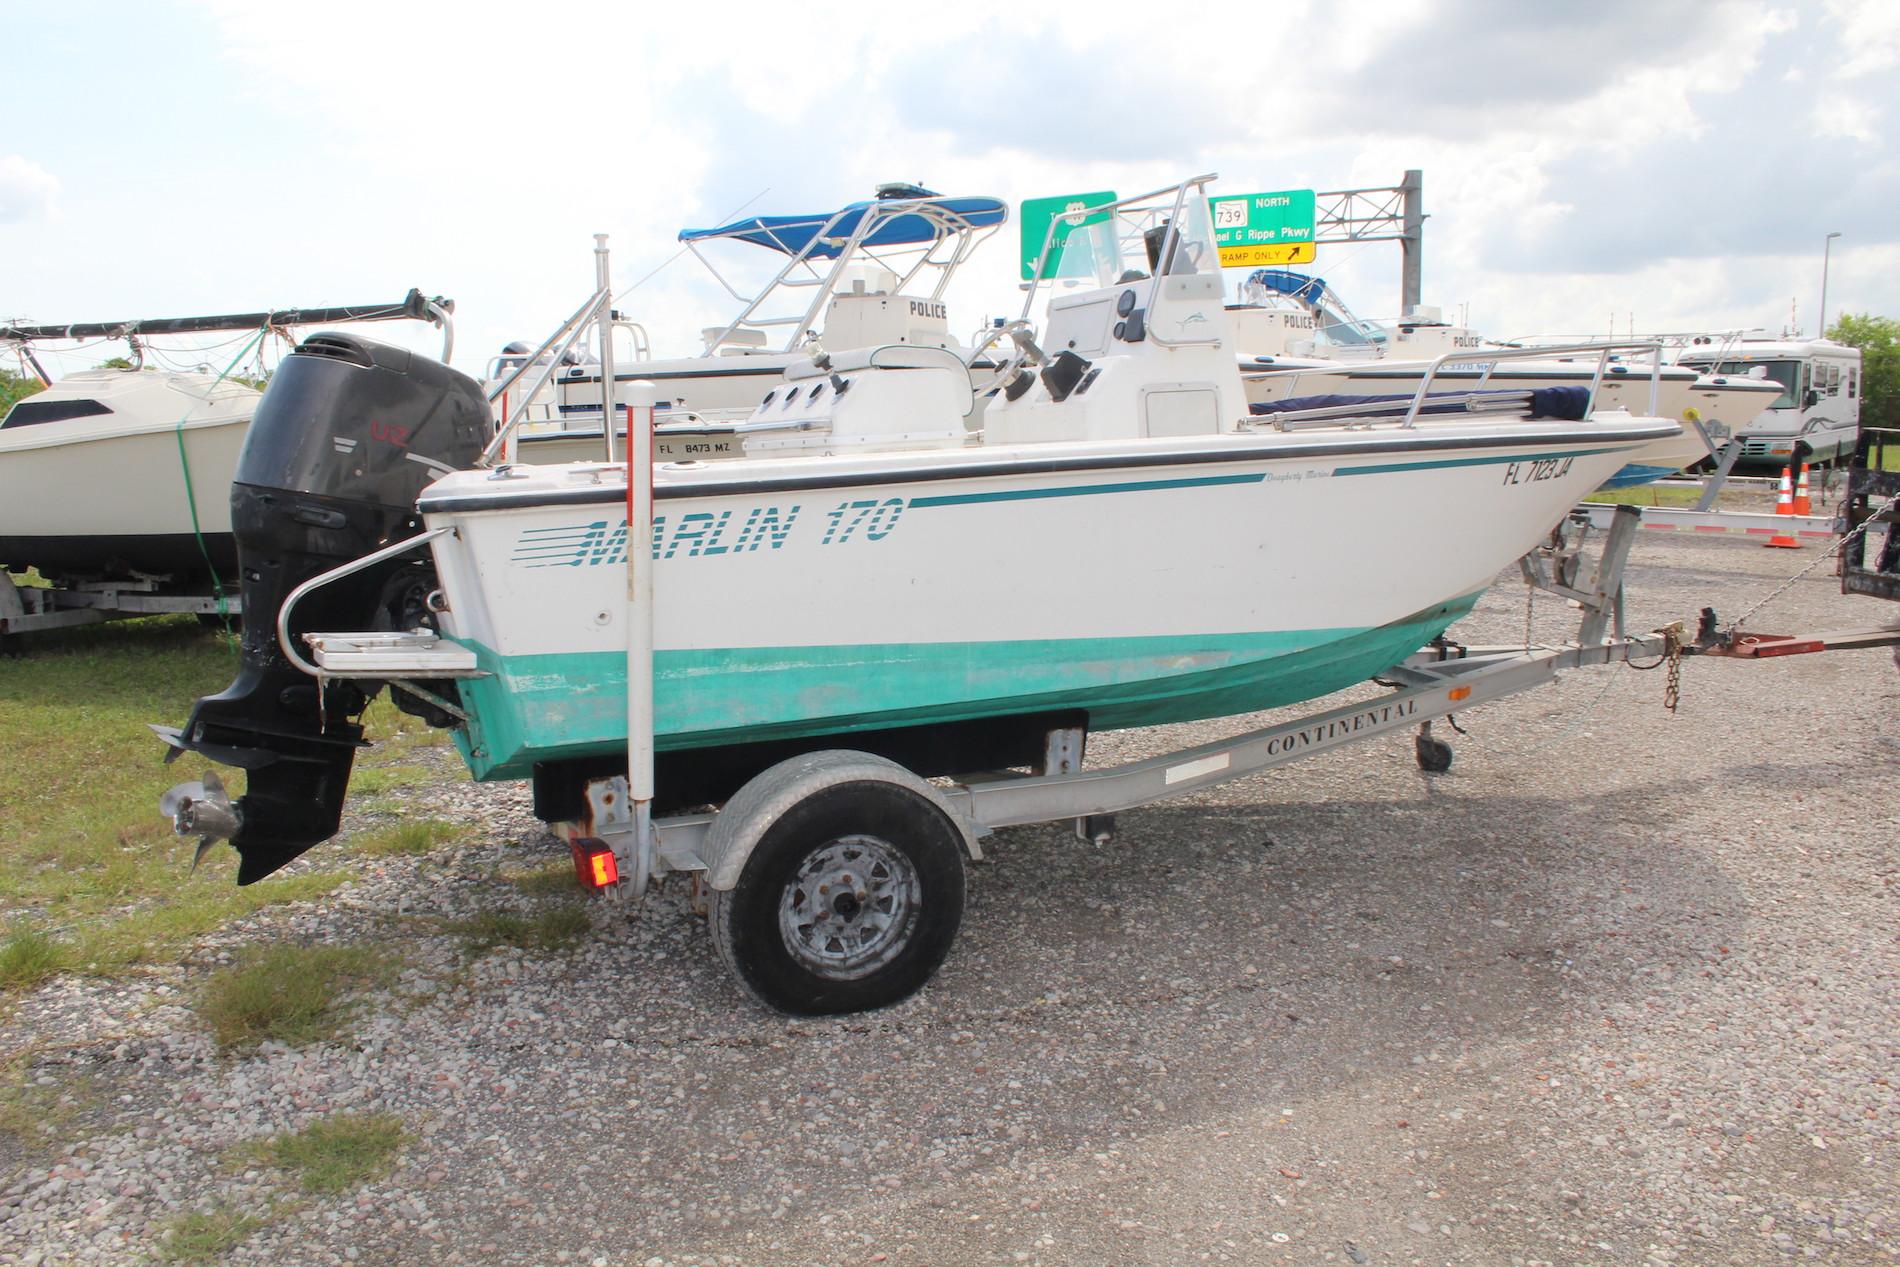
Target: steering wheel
(1024, 352)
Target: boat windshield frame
(1187, 244)
(813, 268)
(1338, 325)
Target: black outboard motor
(347, 434)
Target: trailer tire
(852, 890)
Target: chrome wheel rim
(850, 908)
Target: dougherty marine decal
(1320, 734)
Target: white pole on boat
(604, 317)
(640, 399)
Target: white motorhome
(1817, 416)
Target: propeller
(201, 808)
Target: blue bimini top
(1301, 286)
(794, 234)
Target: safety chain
(1873, 517)
(1672, 683)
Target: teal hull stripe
(1146, 486)
(1081, 490)
(1499, 460)
(552, 707)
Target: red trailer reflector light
(594, 864)
(605, 870)
(1458, 693)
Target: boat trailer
(1438, 681)
(816, 912)
(31, 608)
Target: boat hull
(569, 705)
(108, 503)
(1148, 585)
(1659, 460)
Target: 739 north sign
(1271, 228)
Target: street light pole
(1827, 247)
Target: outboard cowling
(347, 434)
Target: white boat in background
(1298, 339)
(1813, 388)
(126, 473)
(870, 274)
(152, 450)
(1122, 543)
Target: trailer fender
(737, 829)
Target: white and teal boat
(1122, 540)
(874, 592)
(1117, 539)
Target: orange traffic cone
(1802, 506)
(1784, 505)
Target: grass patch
(555, 880)
(396, 733)
(338, 1153)
(32, 1117)
(555, 928)
(204, 1236)
(374, 780)
(412, 836)
(86, 864)
(27, 958)
(83, 774)
(293, 994)
(156, 931)
(1646, 495)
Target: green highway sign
(1246, 223)
(1065, 211)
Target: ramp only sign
(1067, 212)
(1256, 229)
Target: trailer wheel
(852, 890)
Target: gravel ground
(1620, 988)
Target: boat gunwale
(1262, 448)
(24, 439)
(1669, 374)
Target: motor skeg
(347, 434)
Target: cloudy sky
(1675, 165)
